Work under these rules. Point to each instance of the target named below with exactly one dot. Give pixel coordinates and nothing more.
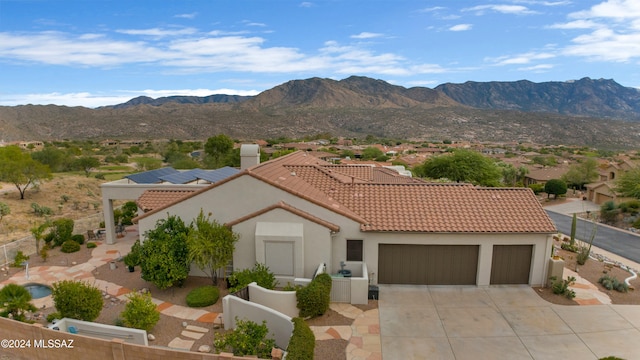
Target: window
(354, 250)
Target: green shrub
(70, 246)
(569, 247)
(583, 255)
(78, 238)
(537, 188)
(15, 301)
(91, 245)
(53, 316)
(77, 299)
(314, 299)
(302, 341)
(248, 338)
(259, 274)
(612, 283)
(62, 229)
(561, 287)
(140, 312)
(203, 296)
(19, 259)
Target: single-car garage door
(427, 264)
(511, 264)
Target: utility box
(373, 292)
(556, 268)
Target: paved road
(618, 242)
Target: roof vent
(293, 173)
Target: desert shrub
(203, 296)
(248, 338)
(583, 254)
(259, 274)
(78, 238)
(561, 287)
(140, 312)
(631, 206)
(19, 259)
(612, 283)
(313, 300)
(302, 341)
(70, 246)
(608, 212)
(100, 176)
(53, 316)
(291, 287)
(41, 210)
(91, 245)
(15, 301)
(569, 247)
(537, 188)
(62, 229)
(48, 238)
(77, 299)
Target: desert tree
(555, 187)
(18, 168)
(217, 148)
(164, 253)
(581, 173)
(86, 163)
(211, 245)
(461, 166)
(628, 183)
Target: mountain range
(588, 112)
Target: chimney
(249, 155)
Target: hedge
(203, 296)
(313, 300)
(302, 341)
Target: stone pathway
(363, 334)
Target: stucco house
(297, 211)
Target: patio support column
(109, 222)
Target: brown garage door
(511, 264)
(427, 264)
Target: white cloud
(158, 32)
(306, 4)
(432, 9)
(366, 35)
(525, 58)
(615, 34)
(504, 9)
(461, 27)
(537, 68)
(186, 16)
(576, 24)
(90, 100)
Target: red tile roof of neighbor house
(153, 199)
(391, 202)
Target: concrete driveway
(500, 322)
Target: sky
(103, 52)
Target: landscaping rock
(204, 349)
(151, 337)
(184, 324)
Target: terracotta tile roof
(548, 173)
(154, 199)
(415, 206)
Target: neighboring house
(541, 176)
(604, 190)
(297, 211)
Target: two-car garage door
(450, 264)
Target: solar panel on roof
(182, 177)
(151, 176)
(214, 176)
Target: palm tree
(15, 300)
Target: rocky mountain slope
(353, 107)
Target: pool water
(37, 291)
